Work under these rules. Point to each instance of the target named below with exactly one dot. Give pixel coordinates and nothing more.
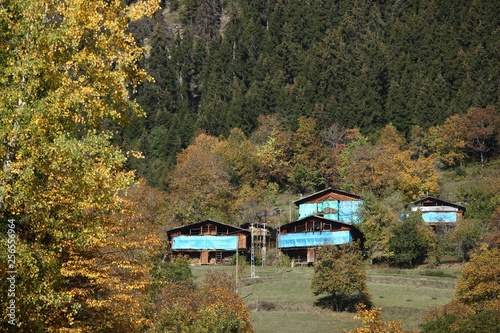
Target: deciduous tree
(410, 241)
(478, 285)
(308, 155)
(66, 73)
(200, 185)
(386, 166)
(340, 273)
(275, 156)
(377, 224)
(483, 130)
(476, 306)
(447, 142)
(213, 307)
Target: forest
(120, 119)
(361, 64)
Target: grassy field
(281, 301)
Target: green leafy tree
(467, 237)
(173, 269)
(410, 241)
(482, 199)
(340, 273)
(377, 223)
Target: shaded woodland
(219, 65)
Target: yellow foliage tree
(373, 322)
(447, 141)
(476, 306)
(66, 71)
(274, 156)
(240, 155)
(479, 286)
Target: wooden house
(208, 242)
(300, 239)
(331, 204)
(438, 213)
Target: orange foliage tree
(482, 130)
(477, 131)
(200, 184)
(478, 286)
(386, 167)
(213, 307)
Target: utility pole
(252, 255)
(264, 246)
(237, 269)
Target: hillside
(121, 119)
(282, 301)
(219, 65)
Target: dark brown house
(208, 242)
(300, 239)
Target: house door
(204, 257)
(311, 254)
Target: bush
(484, 322)
(214, 307)
(263, 306)
(276, 258)
(373, 322)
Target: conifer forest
(219, 65)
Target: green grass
(404, 295)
